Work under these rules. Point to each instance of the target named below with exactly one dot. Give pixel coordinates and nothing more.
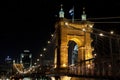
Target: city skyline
(29, 24)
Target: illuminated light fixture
(44, 49)
(13, 61)
(53, 78)
(88, 65)
(38, 59)
(90, 25)
(20, 61)
(64, 65)
(55, 66)
(111, 32)
(40, 54)
(35, 63)
(48, 42)
(33, 66)
(22, 55)
(66, 23)
(7, 79)
(83, 29)
(30, 56)
(109, 65)
(95, 55)
(92, 48)
(52, 35)
(26, 51)
(101, 34)
(8, 58)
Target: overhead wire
(102, 18)
(118, 17)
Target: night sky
(28, 24)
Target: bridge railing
(96, 68)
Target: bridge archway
(78, 34)
(73, 48)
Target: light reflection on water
(27, 78)
(86, 79)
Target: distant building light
(8, 58)
(13, 61)
(26, 51)
(30, 56)
(22, 55)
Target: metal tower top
(61, 12)
(83, 16)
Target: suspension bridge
(77, 49)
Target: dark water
(27, 78)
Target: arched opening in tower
(72, 53)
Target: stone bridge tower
(78, 32)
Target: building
(26, 59)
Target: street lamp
(41, 59)
(52, 35)
(38, 59)
(111, 32)
(48, 42)
(101, 34)
(41, 55)
(111, 53)
(44, 49)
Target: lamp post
(41, 61)
(110, 42)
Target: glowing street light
(38, 59)
(95, 55)
(52, 35)
(48, 42)
(40, 54)
(111, 32)
(66, 23)
(88, 66)
(13, 61)
(44, 49)
(83, 29)
(35, 63)
(101, 34)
